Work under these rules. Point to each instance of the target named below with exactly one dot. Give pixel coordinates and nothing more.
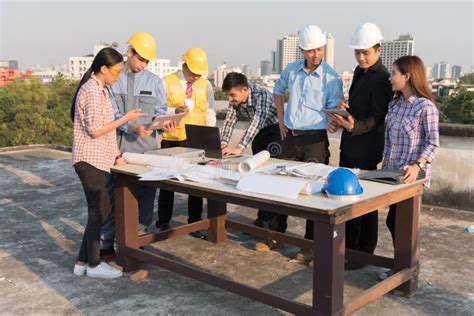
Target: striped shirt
(412, 132)
(93, 111)
(260, 110)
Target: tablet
(158, 121)
(342, 113)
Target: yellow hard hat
(196, 60)
(144, 44)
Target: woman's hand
(134, 115)
(411, 173)
(120, 161)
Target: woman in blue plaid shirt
(412, 134)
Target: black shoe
(107, 254)
(259, 222)
(198, 234)
(161, 227)
(348, 265)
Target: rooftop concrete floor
(42, 218)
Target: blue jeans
(146, 200)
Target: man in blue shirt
(136, 88)
(312, 85)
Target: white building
(247, 71)
(329, 54)
(456, 72)
(48, 74)
(392, 50)
(77, 66)
(221, 72)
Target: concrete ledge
(34, 146)
(456, 130)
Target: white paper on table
(163, 162)
(272, 185)
(254, 162)
(312, 169)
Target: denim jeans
(146, 200)
(94, 183)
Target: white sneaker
(103, 271)
(79, 270)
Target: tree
(33, 113)
(467, 78)
(458, 107)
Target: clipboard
(158, 121)
(387, 176)
(342, 113)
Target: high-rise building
(247, 71)
(221, 72)
(290, 51)
(456, 72)
(441, 70)
(329, 54)
(392, 50)
(265, 68)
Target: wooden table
(328, 215)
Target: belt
(297, 132)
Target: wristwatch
(420, 165)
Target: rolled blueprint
(254, 162)
(157, 161)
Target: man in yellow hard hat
(137, 88)
(186, 91)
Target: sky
(237, 32)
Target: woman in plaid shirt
(412, 136)
(94, 152)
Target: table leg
(406, 241)
(216, 212)
(328, 270)
(126, 222)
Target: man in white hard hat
(186, 91)
(362, 140)
(137, 88)
(312, 85)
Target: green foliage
(458, 107)
(219, 95)
(467, 79)
(34, 113)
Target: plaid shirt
(412, 132)
(93, 110)
(260, 110)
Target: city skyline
(236, 33)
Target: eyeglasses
(114, 72)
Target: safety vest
(175, 95)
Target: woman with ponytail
(94, 152)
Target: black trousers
(308, 148)
(267, 138)
(94, 183)
(166, 198)
(361, 232)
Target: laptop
(207, 138)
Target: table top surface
(318, 201)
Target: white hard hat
(366, 36)
(311, 37)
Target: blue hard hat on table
(342, 184)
